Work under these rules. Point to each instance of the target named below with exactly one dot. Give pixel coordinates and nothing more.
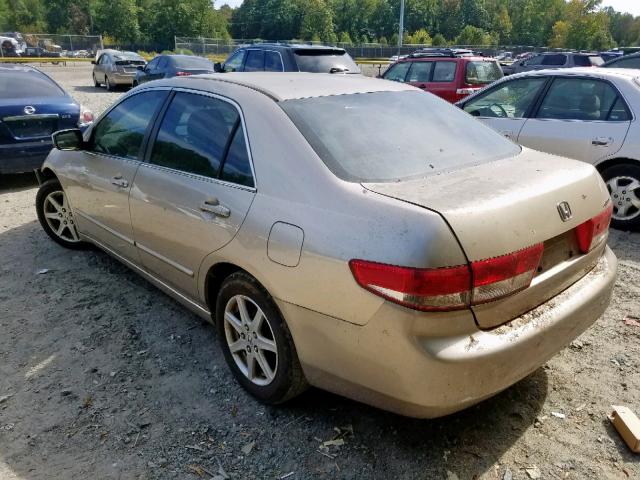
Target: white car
(590, 114)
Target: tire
(134, 85)
(107, 83)
(95, 82)
(623, 183)
(52, 218)
(287, 379)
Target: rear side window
(580, 99)
(397, 72)
(554, 60)
(25, 83)
(626, 63)
(324, 60)
(420, 72)
(194, 134)
(122, 130)
(237, 168)
(273, 62)
(255, 61)
(444, 71)
(479, 73)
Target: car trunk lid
(505, 206)
(26, 120)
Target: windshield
(27, 83)
(192, 62)
(325, 60)
(483, 72)
(390, 136)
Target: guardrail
(43, 60)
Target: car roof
(291, 85)
(606, 73)
(431, 58)
(16, 67)
(288, 46)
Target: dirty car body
(415, 272)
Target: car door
(193, 193)
(254, 61)
(234, 62)
(161, 69)
(149, 70)
(581, 118)
(98, 69)
(102, 173)
(443, 80)
(397, 72)
(506, 106)
(419, 74)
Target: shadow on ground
(110, 378)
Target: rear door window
(194, 134)
(554, 60)
(273, 62)
(122, 130)
(578, 99)
(626, 63)
(511, 99)
(420, 72)
(397, 72)
(444, 71)
(255, 61)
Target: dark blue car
(167, 66)
(32, 107)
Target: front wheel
(95, 82)
(256, 341)
(55, 215)
(623, 183)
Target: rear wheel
(56, 216)
(256, 341)
(95, 82)
(108, 84)
(623, 183)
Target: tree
(471, 35)
(419, 37)
(439, 40)
(559, 34)
(126, 28)
(344, 38)
(317, 21)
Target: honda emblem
(565, 211)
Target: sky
(631, 6)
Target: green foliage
(439, 40)
(420, 37)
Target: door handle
(508, 134)
(213, 206)
(119, 181)
(601, 141)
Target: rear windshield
(321, 60)
(391, 136)
(588, 61)
(483, 72)
(128, 58)
(27, 83)
(195, 63)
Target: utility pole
(401, 32)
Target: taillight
(593, 232)
(86, 116)
(182, 74)
(449, 288)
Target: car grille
(31, 126)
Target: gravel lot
(102, 376)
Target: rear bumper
(122, 78)
(393, 362)
(23, 157)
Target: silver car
(113, 68)
(590, 114)
(344, 232)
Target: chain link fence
(222, 47)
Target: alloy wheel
(250, 340)
(59, 217)
(625, 196)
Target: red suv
(446, 74)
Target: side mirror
(68, 139)
(218, 67)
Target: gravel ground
(103, 376)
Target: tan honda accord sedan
(348, 233)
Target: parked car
(445, 75)
(305, 214)
(114, 68)
(627, 61)
(589, 114)
(34, 52)
(278, 57)
(32, 107)
(611, 55)
(546, 60)
(505, 57)
(167, 66)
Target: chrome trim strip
(103, 226)
(172, 292)
(35, 116)
(166, 260)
